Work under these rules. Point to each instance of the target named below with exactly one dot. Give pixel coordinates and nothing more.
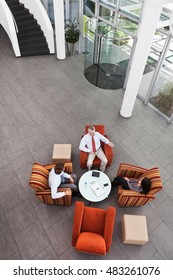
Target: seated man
(91, 144)
(57, 177)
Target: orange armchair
(93, 229)
(106, 148)
(39, 182)
(133, 198)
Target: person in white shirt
(91, 144)
(59, 178)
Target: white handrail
(8, 23)
(15, 24)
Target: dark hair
(59, 167)
(146, 185)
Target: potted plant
(72, 33)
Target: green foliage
(72, 31)
(122, 38)
(164, 100)
(127, 24)
(167, 89)
(103, 29)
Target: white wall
(6, 20)
(36, 8)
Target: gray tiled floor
(45, 101)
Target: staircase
(30, 36)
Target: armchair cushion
(95, 224)
(92, 243)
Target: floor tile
(165, 212)
(21, 216)
(50, 214)
(162, 238)
(8, 245)
(7, 175)
(62, 228)
(32, 241)
(12, 195)
(47, 254)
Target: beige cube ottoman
(134, 229)
(61, 152)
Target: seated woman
(140, 185)
(57, 177)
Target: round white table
(87, 181)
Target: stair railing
(15, 24)
(8, 23)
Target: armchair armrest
(78, 214)
(132, 198)
(83, 159)
(130, 171)
(45, 197)
(109, 226)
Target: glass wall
(113, 48)
(160, 93)
(107, 54)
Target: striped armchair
(132, 198)
(39, 182)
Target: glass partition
(107, 52)
(162, 94)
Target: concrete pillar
(59, 28)
(149, 19)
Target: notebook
(97, 188)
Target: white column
(59, 28)
(81, 38)
(149, 19)
(67, 9)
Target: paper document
(97, 188)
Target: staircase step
(12, 2)
(25, 35)
(30, 21)
(34, 46)
(32, 40)
(37, 52)
(28, 26)
(17, 7)
(21, 13)
(24, 18)
(30, 31)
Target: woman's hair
(59, 167)
(146, 185)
